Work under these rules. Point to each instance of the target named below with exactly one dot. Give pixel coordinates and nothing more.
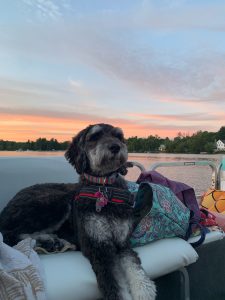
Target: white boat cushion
(69, 275)
(210, 237)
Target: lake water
(197, 177)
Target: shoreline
(161, 155)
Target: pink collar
(106, 180)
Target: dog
(97, 214)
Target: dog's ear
(75, 153)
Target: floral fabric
(168, 217)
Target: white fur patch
(141, 286)
(124, 291)
(94, 130)
(95, 156)
(102, 229)
(98, 228)
(121, 229)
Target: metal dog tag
(101, 201)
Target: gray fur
(103, 237)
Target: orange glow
(24, 127)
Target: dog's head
(98, 150)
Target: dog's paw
(145, 290)
(48, 243)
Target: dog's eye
(95, 136)
(119, 135)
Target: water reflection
(31, 153)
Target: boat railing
(216, 171)
(215, 182)
(131, 164)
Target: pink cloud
(24, 124)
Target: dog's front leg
(97, 244)
(140, 285)
(102, 259)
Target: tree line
(201, 141)
(41, 144)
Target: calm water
(197, 177)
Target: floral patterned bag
(167, 217)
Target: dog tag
(101, 201)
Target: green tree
(209, 147)
(221, 134)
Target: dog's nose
(114, 148)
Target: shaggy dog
(96, 214)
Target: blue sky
(150, 67)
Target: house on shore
(220, 145)
(162, 148)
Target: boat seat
(69, 275)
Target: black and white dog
(96, 214)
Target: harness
(103, 195)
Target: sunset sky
(149, 67)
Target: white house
(162, 148)
(220, 145)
